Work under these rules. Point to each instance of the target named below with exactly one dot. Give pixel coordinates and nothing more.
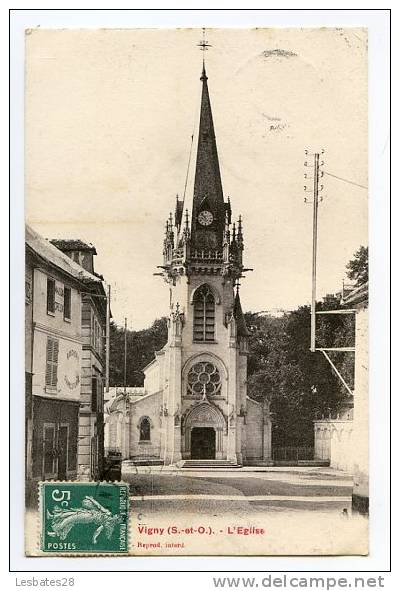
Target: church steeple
(207, 243)
(202, 368)
(208, 214)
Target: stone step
(302, 463)
(209, 464)
(210, 461)
(144, 462)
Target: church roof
(242, 330)
(207, 182)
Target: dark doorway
(62, 452)
(202, 443)
(54, 439)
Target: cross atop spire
(204, 45)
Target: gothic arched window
(144, 429)
(204, 314)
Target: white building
(344, 440)
(93, 328)
(54, 288)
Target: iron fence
(292, 453)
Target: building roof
(133, 396)
(242, 330)
(50, 253)
(73, 244)
(359, 295)
(207, 182)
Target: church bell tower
(204, 398)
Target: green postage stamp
(88, 517)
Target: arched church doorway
(202, 443)
(204, 426)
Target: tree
(358, 266)
(141, 346)
(300, 384)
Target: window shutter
(86, 314)
(49, 356)
(55, 363)
(52, 349)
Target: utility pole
(314, 252)
(317, 174)
(108, 316)
(125, 357)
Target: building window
(94, 394)
(144, 429)
(204, 379)
(51, 363)
(86, 314)
(51, 296)
(67, 303)
(204, 315)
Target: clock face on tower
(205, 218)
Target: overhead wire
(198, 107)
(346, 180)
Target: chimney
(77, 250)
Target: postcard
(196, 292)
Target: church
(194, 408)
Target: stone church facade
(194, 404)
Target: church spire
(203, 73)
(208, 237)
(208, 218)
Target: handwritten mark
(278, 53)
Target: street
(283, 510)
(286, 511)
(238, 491)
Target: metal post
(337, 372)
(108, 315)
(125, 357)
(314, 252)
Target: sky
(109, 119)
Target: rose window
(204, 379)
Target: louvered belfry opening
(204, 315)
